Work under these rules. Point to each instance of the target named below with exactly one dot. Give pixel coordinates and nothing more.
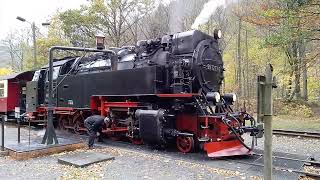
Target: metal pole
(50, 134)
(2, 133)
(268, 124)
(29, 128)
(19, 120)
(260, 98)
(19, 116)
(33, 27)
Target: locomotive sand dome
(159, 92)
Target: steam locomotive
(160, 92)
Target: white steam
(208, 9)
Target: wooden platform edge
(45, 152)
(4, 153)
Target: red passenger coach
(12, 93)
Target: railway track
(305, 134)
(301, 172)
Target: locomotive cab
(37, 89)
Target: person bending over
(94, 125)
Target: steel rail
(297, 133)
(307, 162)
(303, 173)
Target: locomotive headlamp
(230, 98)
(213, 96)
(217, 34)
(100, 41)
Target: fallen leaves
(312, 169)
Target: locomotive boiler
(160, 91)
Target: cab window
(55, 73)
(36, 75)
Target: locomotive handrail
(50, 134)
(80, 49)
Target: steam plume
(208, 9)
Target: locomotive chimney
(100, 41)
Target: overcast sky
(32, 10)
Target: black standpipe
(50, 134)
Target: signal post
(264, 114)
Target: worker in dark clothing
(94, 125)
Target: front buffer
(219, 136)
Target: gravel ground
(293, 145)
(134, 162)
(127, 165)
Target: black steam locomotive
(158, 92)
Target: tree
(293, 24)
(17, 46)
(5, 71)
(117, 19)
(55, 37)
(155, 24)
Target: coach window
(3, 89)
